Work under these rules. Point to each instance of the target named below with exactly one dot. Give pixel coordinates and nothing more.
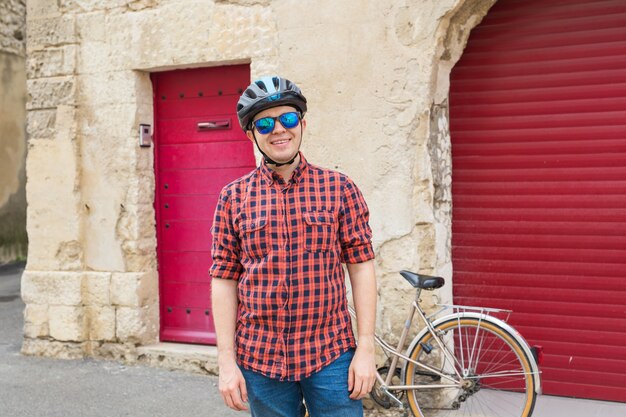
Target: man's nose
(278, 127)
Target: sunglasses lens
(289, 120)
(264, 125)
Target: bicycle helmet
(265, 93)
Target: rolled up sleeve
(225, 249)
(355, 233)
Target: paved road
(40, 387)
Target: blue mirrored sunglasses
(289, 120)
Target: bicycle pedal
(395, 399)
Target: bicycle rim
(496, 373)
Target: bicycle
(465, 363)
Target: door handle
(214, 125)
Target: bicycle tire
(488, 391)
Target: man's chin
(283, 159)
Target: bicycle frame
(397, 354)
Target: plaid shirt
(284, 242)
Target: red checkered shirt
(284, 242)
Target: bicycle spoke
(497, 381)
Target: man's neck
(285, 171)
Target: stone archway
(453, 35)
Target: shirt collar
(269, 176)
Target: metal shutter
(538, 128)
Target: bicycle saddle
(425, 282)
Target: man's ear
(250, 135)
(303, 121)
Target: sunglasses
(265, 125)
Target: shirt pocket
(255, 242)
(319, 235)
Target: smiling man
(280, 236)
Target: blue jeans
(325, 393)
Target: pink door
(199, 148)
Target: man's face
(281, 144)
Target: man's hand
(362, 372)
(232, 386)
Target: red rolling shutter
(538, 128)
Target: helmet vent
(261, 85)
(265, 93)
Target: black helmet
(265, 93)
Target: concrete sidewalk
(41, 387)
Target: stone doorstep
(178, 356)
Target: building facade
(107, 221)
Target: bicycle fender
(489, 319)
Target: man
(280, 235)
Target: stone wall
(13, 239)
(376, 75)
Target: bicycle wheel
(496, 377)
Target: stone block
(141, 193)
(42, 8)
(52, 62)
(12, 27)
(90, 27)
(100, 323)
(108, 88)
(175, 356)
(145, 162)
(138, 224)
(165, 28)
(51, 31)
(95, 288)
(68, 323)
(138, 325)
(144, 90)
(54, 206)
(40, 124)
(136, 5)
(65, 122)
(81, 6)
(241, 31)
(125, 352)
(59, 288)
(36, 320)
(52, 349)
(104, 123)
(107, 179)
(134, 289)
(139, 255)
(46, 93)
(95, 57)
